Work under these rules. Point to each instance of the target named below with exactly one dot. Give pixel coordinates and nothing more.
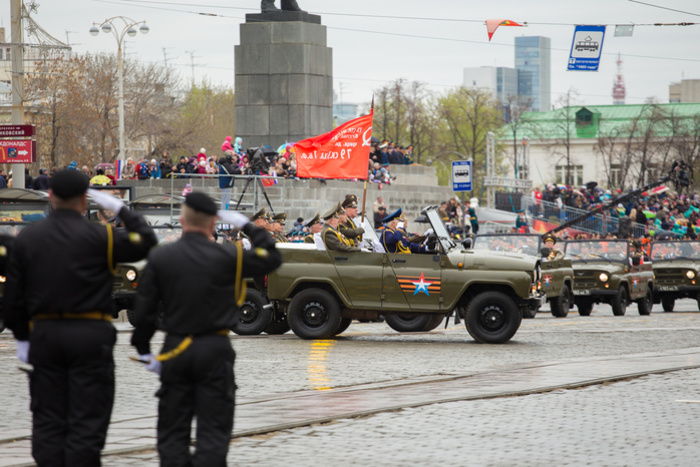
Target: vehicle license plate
(668, 288)
(582, 292)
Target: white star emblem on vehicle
(421, 285)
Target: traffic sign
(462, 175)
(586, 48)
(16, 131)
(19, 151)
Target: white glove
(366, 250)
(150, 362)
(106, 200)
(23, 351)
(233, 217)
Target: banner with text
(341, 153)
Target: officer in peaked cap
(330, 234)
(277, 225)
(315, 225)
(550, 252)
(197, 285)
(70, 305)
(259, 217)
(393, 239)
(347, 226)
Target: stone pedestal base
(284, 79)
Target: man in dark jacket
(42, 182)
(226, 183)
(70, 306)
(199, 284)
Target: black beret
(69, 184)
(201, 202)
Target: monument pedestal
(284, 79)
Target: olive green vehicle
(676, 267)
(322, 291)
(606, 272)
(557, 274)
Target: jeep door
(361, 276)
(412, 281)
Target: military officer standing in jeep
(277, 226)
(330, 235)
(347, 226)
(315, 225)
(393, 239)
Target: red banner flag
(341, 153)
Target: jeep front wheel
(412, 323)
(252, 317)
(668, 304)
(584, 308)
(530, 311)
(645, 304)
(314, 314)
(492, 318)
(619, 302)
(560, 305)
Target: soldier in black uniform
(347, 226)
(199, 284)
(70, 305)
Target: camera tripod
(262, 187)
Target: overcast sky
(428, 41)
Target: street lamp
(129, 28)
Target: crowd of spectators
(384, 154)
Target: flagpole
(364, 193)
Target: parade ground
(598, 390)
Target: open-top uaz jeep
(676, 267)
(322, 291)
(605, 271)
(557, 274)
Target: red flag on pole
(341, 153)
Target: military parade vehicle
(557, 273)
(606, 271)
(676, 267)
(321, 291)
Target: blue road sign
(586, 48)
(462, 175)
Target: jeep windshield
(661, 251)
(439, 228)
(603, 250)
(524, 244)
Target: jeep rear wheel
(252, 317)
(492, 318)
(668, 303)
(619, 302)
(560, 305)
(584, 308)
(344, 324)
(434, 322)
(530, 311)
(645, 304)
(411, 323)
(314, 314)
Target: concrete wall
(414, 189)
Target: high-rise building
(687, 91)
(533, 64)
(502, 82)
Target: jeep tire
(492, 318)
(668, 303)
(411, 322)
(314, 314)
(560, 305)
(645, 304)
(277, 327)
(344, 324)
(619, 302)
(530, 311)
(252, 317)
(584, 307)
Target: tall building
(533, 64)
(502, 82)
(687, 91)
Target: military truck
(322, 291)
(557, 274)
(605, 271)
(676, 267)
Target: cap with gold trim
(262, 214)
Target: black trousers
(72, 390)
(198, 383)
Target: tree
(516, 114)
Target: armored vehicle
(676, 267)
(322, 291)
(605, 271)
(557, 273)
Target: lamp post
(129, 28)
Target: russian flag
(269, 181)
(118, 166)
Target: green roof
(594, 121)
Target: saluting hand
(23, 351)
(106, 201)
(151, 364)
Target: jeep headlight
(2, 279)
(131, 275)
(690, 274)
(603, 277)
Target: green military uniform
(279, 219)
(315, 220)
(331, 237)
(553, 254)
(349, 229)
